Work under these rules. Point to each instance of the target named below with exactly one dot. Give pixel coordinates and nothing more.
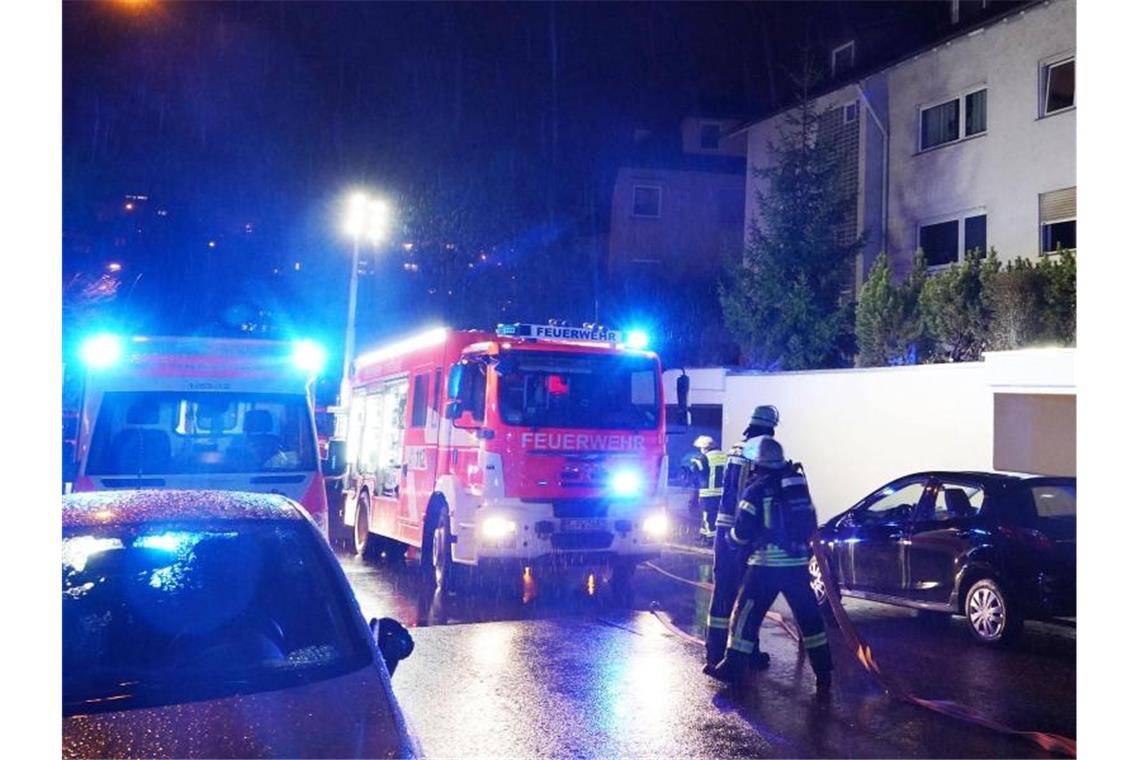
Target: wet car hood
(350, 716)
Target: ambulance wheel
(438, 567)
(367, 545)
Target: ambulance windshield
(170, 433)
(585, 391)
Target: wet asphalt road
(562, 666)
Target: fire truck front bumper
(514, 530)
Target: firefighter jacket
(754, 523)
(709, 468)
(736, 473)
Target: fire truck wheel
(367, 545)
(437, 564)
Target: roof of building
(82, 510)
(858, 75)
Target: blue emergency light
(101, 351)
(308, 356)
(638, 339)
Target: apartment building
(965, 143)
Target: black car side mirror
(394, 641)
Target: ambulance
(200, 413)
(534, 445)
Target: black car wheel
(988, 611)
(818, 587)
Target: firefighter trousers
(709, 507)
(758, 590)
(728, 569)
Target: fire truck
(532, 445)
(199, 413)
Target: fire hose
(1048, 741)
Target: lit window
(943, 124)
(646, 201)
(1058, 210)
(843, 59)
(1060, 86)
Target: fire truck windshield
(592, 391)
(169, 433)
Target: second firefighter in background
(708, 472)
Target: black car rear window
(165, 613)
(1055, 500)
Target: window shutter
(1058, 205)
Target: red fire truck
(533, 445)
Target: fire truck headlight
(626, 483)
(101, 351)
(656, 525)
(498, 527)
(308, 357)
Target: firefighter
(728, 561)
(709, 466)
(775, 521)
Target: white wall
(856, 429)
(1003, 170)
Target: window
(550, 390)
(184, 433)
(710, 135)
(1059, 83)
(420, 401)
(646, 201)
(170, 612)
(947, 241)
(894, 502)
(975, 236)
(966, 10)
(939, 242)
(1059, 500)
(953, 500)
(1058, 211)
(850, 113)
(943, 124)
(843, 59)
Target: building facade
(969, 143)
(678, 204)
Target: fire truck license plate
(584, 524)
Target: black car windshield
(168, 613)
(171, 433)
(562, 390)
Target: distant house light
(212, 244)
(296, 266)
(162, 212)
(129, 206)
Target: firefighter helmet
(703, 442)
(764, 451)
(765, 416)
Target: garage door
(1035, 432)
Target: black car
(997, 548)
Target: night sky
(496, 128)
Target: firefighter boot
(715, 642)
(731, 669)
